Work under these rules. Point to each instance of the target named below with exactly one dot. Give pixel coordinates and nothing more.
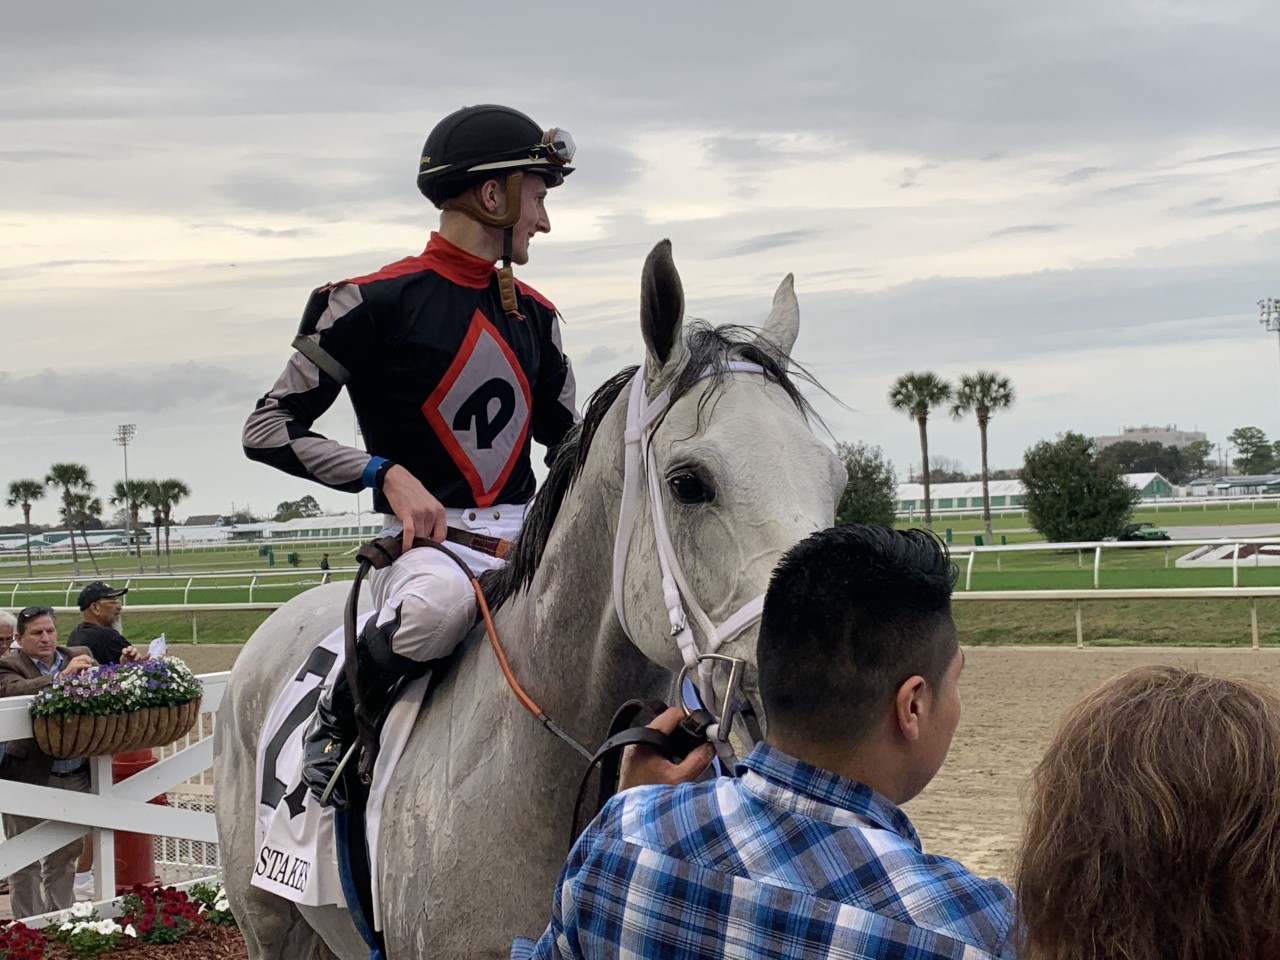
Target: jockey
(453, 366)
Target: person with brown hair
(1153, 829)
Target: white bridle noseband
(683, 610)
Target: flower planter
(73, 736)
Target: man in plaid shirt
(806, 853)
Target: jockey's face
(533, 217)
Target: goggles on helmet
(558, 146)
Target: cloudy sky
(1083, 196)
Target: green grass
(1106, 622)
(1118, 623)
(119, 566)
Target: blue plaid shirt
(788, 860)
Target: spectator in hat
(99, 627)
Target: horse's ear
(783, 324)
(661, 306)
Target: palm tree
(131, 494)
(70, 477)
(83, 506)
(982, 394)
(151, 497)
(22, 493)
(916, 394)
(168, 493)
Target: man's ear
(491, 196)
(908, 705)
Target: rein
(711, 723)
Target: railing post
(1253, 618)
(1235, 566)
(1079, 628)
(104, 841)
(251, 586)
(968, 572)
(187, 591)
(1097, 564)
(16, 585)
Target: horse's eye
(689, 488)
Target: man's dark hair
(851, 613)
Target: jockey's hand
(643, 765)
(78, 664)
(420, 512)
(130, 655)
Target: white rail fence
(1077, 597)
(1097, 549)
(186, 838)
(169, 582)
(1192, 502)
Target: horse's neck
(572, 655)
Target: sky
(1084, 197)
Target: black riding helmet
(487, 142)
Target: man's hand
(643, 765)
(130, 655)
(420, 512)
(77, 665)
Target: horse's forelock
(710, 351)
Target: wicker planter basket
(71, 737)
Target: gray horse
(475, 823)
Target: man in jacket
(47, 885)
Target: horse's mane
(709, 349)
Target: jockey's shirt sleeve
(335, 343)
(555, 403)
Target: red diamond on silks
(480, 410)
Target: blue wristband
(370, 475)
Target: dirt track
(1013, 699)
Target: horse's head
(739, 473)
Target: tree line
(1072, 489)
(80, 507)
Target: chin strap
(469, 203)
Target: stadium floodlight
(124, 434)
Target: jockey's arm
(555, 405)
(336, 341)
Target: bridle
(644, 416)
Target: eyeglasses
(27, 614)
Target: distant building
(1235, 486)
(204, 520)
(1167, 436)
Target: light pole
(1269, 314)
(124, 433)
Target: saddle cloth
(296, 853)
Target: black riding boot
(332, 730)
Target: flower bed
(117, 707)
(155, 923)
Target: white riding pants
(431, 594)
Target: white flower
(81, 910)
(221, 904)
(129, 931)
(106, 927)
